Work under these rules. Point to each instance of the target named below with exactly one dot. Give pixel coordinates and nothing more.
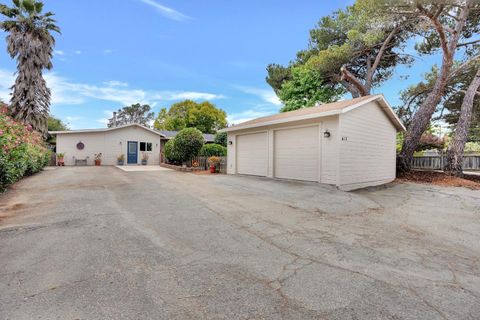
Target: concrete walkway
(133, 168)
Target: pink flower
(1, 132)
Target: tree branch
(378, 58)
(467, 43)
(350, 78)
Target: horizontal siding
(111, 144)
(329, 151)
(368, 153)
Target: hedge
(213, 149)
(22, 151)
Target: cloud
(59, 52)
(73, 118)
(261, 110)
(77, 52)
(67, 92)
(115, 83)
(107, 51)
(267, 95)
(166, 11)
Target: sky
(113, 53)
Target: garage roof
(107, 129)
(324, 110)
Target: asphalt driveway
(101, 243)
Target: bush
(221, 139)
(22, 151)
(186, 145)
(213, 149)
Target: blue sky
(116, 52)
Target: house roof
(171, 134)
(325, 110)
(107, 129)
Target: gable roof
(325, 110)
(107, 129)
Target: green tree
(213, 149)
(204, 116)
(221, 138)
(55, 124)
(446, 26)
(356, 48)
(31, 43)
(136, 113)
(186, 145)
(306, 88)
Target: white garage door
(252, 154)
(296, 154)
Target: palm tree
(31, 43)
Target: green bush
(170, 153)
(213, 149)
(221, 139)
(22, 151)
(186, 145)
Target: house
(349, 144)
(132, 140)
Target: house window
(145, 146)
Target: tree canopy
(136, 113)
(357, 49)
(204, 116)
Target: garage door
(252, 154)
(296, 154)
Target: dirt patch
(441, 179)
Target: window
(145, 146)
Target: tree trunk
(455, 150)
(422, 117)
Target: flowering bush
(22, 150)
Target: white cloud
(73, 118)
(115, 83)
(256, 112)
(59, 52)
(65, 91)
(6, 81)
(267, 95)
(78, 52)
(107, 51)
(103, 121)
(166, 11)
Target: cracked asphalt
(101, 243)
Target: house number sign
(80, 146)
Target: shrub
(221, 138)
(22, 151)
(213, 149)
(170, 151)
(187, 144)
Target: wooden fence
(470, 162)
(202, 162)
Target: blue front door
(132, 152)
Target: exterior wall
(110, 143)
(328, 147)
(367, 148)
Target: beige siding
(329, 151)
(367, 147)
(231, 154)
(296, 153)
(109, 143)
(252, 154)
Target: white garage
(350, 144)
(252, 154)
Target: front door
(132, 154)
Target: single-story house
(131, 140)
(350, 144)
